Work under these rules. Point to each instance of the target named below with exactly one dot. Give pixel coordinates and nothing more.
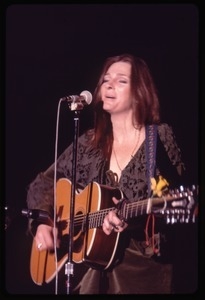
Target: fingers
(115, 200)
(113, 223)
(117, 228)
(44, 237)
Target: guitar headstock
(179, 205)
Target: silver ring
(39, 246)
(114, 226)
(122, 224)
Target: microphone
(84, 98)
(37, 214)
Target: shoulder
(87, 137)
(165, 132)
(169, 141)
(86, 143)
(164, 128)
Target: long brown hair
(145, 101)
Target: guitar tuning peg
(182, 219)
(168, 220)
(193, 187)
(181, 188)
(188, 216)
(193, 219)
(173, 219)
(167, 217)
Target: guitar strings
(133, 209)
(96, 217)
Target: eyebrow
(119, 74)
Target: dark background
(56, 50)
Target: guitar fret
(136, 208)
(95, 219)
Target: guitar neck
(127, 211)
(174, 208)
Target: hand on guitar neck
(113, 222)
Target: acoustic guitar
(90, 244)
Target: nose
(109, 84)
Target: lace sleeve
(168, 139)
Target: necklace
(133, 151)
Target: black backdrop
(57, 50)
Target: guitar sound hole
(64, 245)
(78, 223)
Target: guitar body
(88, 236)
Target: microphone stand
(76, 107)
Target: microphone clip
(75, 106)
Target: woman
(114, 154)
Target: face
(116, 89)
